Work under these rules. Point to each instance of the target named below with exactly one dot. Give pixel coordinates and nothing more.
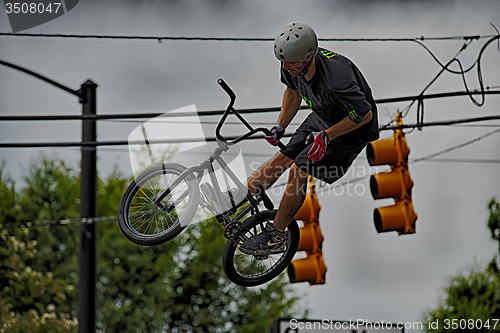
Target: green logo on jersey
(328, 54)
(353, 114)
(308, 102)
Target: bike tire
(143, 222)
(248, 271)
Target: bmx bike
(161, 201)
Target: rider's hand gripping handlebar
(280, 144)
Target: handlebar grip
(280, 144)
(226, 88)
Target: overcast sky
(370, 276)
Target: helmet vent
(295, 42)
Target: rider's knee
(297, 173)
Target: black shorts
(339, 155)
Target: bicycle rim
(147, 223)
(248, 270)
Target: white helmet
(295, 42)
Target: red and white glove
(277, 132)
(317, 151)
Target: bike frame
(207, 165)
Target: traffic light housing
(312, 268)
(396, 184)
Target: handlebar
(229, 109)
(228, 90)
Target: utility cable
(323, 188)
(63, 222)
(211, 139)
(462, 72)
(235, 39)
(455, 147)
(320, 190)
(156, 115)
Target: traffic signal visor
(392, 151)
(312, 268)
(400, 217)
(396, 184)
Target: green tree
(30, 300)
(472, 297)
(494, 226)
(177, 286)
(51, 194)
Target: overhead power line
(463, 160)
(138, 115)
(441, 123)
(212, 139)
(461, 72)
(321, 189)
(221, 112)
(63, 222)
(428, 157)
(237, 39)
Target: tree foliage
(494, 226)
(474, 294)
(32, 297)
(178, 286)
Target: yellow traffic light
(396, 184)
(312, 268)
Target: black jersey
(337, 89)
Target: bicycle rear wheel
(248, 270)
(145, 223)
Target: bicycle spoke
(249, 266)
(148, 218)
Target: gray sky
(370, 276)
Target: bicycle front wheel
(145, 222)
(248, 270)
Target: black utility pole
(88, 199)
(88, 211)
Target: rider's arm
(289, 107)
(346, 125)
